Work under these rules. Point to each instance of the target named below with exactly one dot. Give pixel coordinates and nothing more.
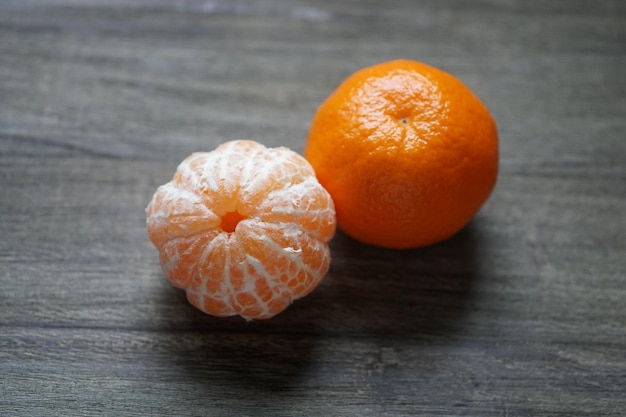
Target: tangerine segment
(244, 230)
(306, 201)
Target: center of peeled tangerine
(230, 221)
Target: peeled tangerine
(244, 229)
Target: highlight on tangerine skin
(244, 229)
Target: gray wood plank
(522, 313)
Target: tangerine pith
(408, 153)
(244, 229)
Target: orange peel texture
(408, 153)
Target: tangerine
(408, 153)
(244, 229)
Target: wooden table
(523, 313)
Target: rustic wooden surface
(521, 314)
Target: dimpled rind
(276, 253)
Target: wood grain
(523, 313)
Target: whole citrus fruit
(243, 229)
(408, 153)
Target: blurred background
(170, 77)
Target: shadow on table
(370, 294)
(418, 293)
(231, 354)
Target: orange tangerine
(244, 229)
(408, 153)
